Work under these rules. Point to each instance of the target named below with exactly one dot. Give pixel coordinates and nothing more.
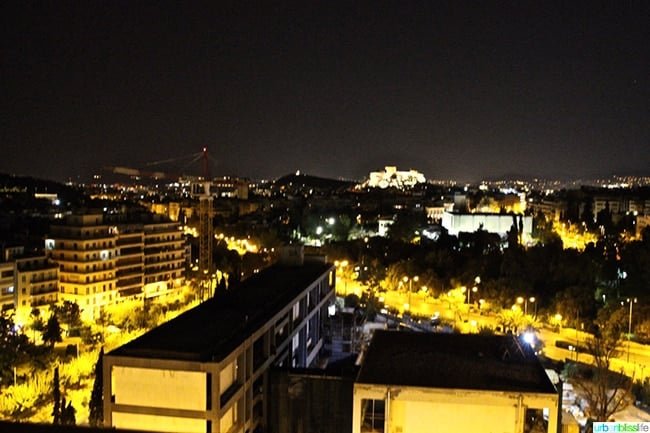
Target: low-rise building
(421, 382)
(491, 222)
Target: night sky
(461, 90)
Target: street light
(469, 292)
(410, 281)
(630, 301)
(522, 300)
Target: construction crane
(147, 172)
(206, 208)
(206, 232)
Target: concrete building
(7, 286)
(102, 261)
(164, 258)
(85, 249)
(129, 272)
(36, 285)
(492, 223)
(419, 382)
(208, 369)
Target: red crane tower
(206, 232)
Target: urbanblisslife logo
(612, 427)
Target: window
(227, 376)
(296, 310)
(229, 418)
(372, 415)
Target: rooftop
(453, 361)
(213, 329)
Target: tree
(37, 324)
(52, 331)
(96, 404)
(14, 347)
(68, 413)
(511, 320)
(605, 391)
(56, 396)
(405, 225)
(69, 313)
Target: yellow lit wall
(228, 419)
(423, 410)
(159, 388)
(157, 423)
(226, 377)
(421, 416)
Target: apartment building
(130, 260)
(7, 286)
(208, 369)
(164, 257)
(85, 249)
(36, 285)
(102, 261)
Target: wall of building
(310, 402)
(413, 409)
(492, 223)
(223, 395)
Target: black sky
(463, 90)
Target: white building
(392, 178)
(492, 223)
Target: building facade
(85, 249)
(102, 262)
(208, 369)
(493, 223)
(36, 285)
(422, 382)
(7, 286)
(164, 258)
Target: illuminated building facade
(130, 259)
(36, 285)
(422, 382)
(393, 178)
(85, 249)
(208, 369)
(102, 262)
(7, 286)
(490, 222)
(164, 258)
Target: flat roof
(453, 361)
(213, 329)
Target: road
(633, 365)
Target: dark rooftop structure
(453, 361)
(213, 329)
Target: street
(632, 358)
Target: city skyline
(456, 91)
